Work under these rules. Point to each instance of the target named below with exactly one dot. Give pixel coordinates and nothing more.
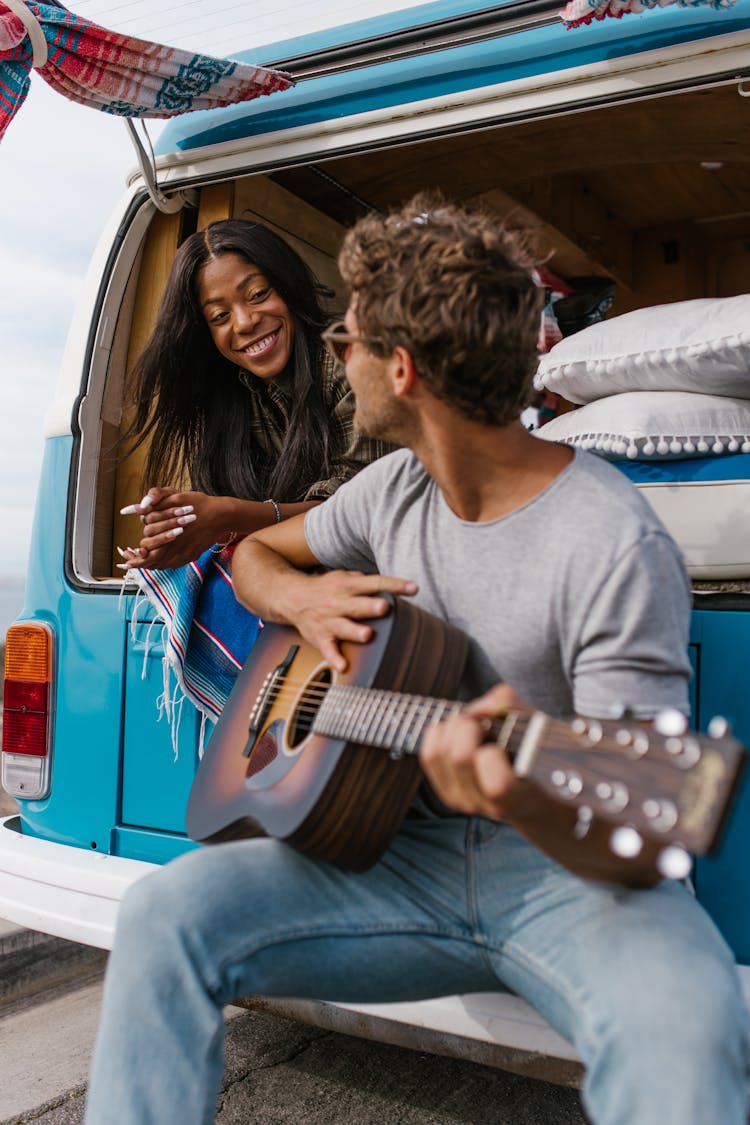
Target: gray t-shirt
(579, 599)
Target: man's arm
(270, 571)
(476, 778)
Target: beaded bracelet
(276, 509)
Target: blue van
(626, 145)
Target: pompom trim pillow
(655, 425)
(701, 345)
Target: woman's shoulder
(333, 382)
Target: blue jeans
(639, 981)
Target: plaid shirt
(268, 416)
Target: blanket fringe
(203, 650)
(170, 702)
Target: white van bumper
(74, 894)
(69, 892)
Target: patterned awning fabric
(135, 78)
(114, 73)
(578, 12)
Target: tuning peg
(670, 722)
(584, 819)
(674, 863)
(626, 842)
(614, 796)
(719, 727)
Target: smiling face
(249, 322)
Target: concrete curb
(13, 938)
(33, 965)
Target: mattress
(704, 502)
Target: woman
(236, 392)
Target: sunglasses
(337, 340)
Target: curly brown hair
(453, 286)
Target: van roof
(374, 79)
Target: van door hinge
(169, 204)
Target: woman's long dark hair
(190, 399)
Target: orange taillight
(28, 653)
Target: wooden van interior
(652, 193)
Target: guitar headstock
(664, 782)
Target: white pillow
(701, 345)
(654, 425)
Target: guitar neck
(671, 784)
(396, 722)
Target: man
(575, 597)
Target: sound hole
(302, 719)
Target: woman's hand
(177, 527)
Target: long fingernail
(130, 510)
(184, 511)
(121, 553)
(175, 532)
(146, 502)
(123, 566)
(187, 519)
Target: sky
(62, 169)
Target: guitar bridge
(265, 700)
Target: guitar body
(300, 752)
(333, 799)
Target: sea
(11, 602)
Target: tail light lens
(27, 717)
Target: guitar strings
(319, 689)
(312, 696)
(357, 694)
(315, 692)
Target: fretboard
(396, 722)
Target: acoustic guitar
(297, 753)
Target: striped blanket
(115, 73)
(208, 634)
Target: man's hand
(467, 773)
(333, 607)
(271, 578)
(475, 777)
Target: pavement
(284, 1073)
(278, 1071)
